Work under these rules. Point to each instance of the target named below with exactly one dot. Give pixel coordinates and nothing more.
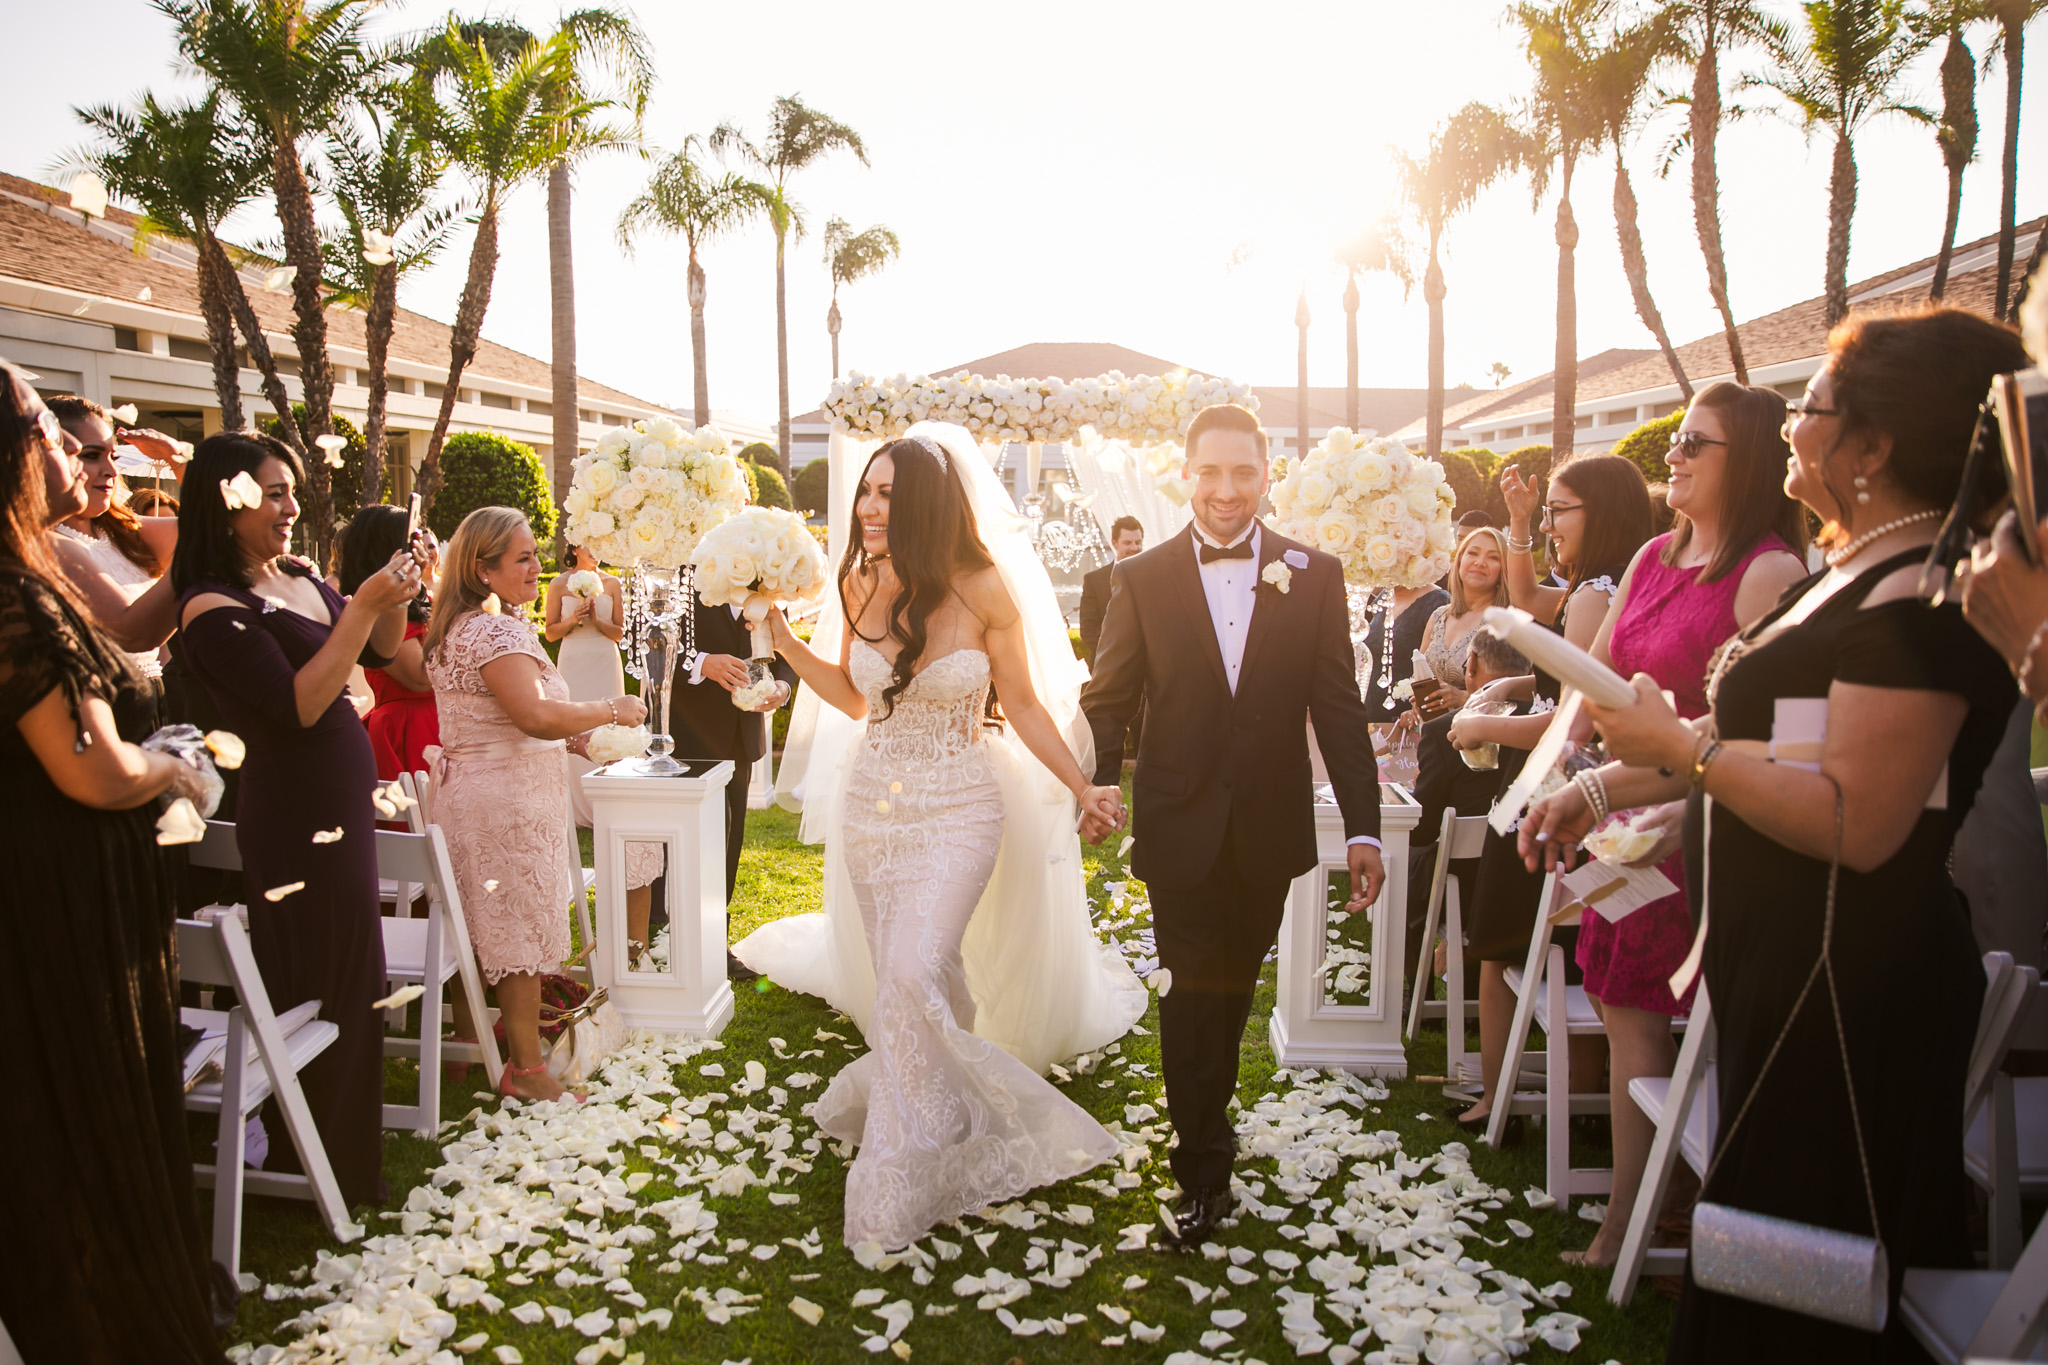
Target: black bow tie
(1241, 550)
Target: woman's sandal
(505, 1081)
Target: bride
(974, 966)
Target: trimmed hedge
(484, 469)
(812, 487)
(1648, 444)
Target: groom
(1233, 638)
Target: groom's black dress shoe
(736, 970)
(1197, 1215)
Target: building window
(1792, 388)
(125, 339)
(432, 390)
(534, 405)
(1666, 409)
(191, 348)
(1617, 417)
(586, 415)
(1582, 423)
(498, 400)
(612, 419)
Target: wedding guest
(1596, 513)
(1737, 543)
(589, 628)
(1126, 538)
(111, 1263)
(273, 645)
(1392, 638)
(502, 794)
(1915, 704)
(403, 722)
(152, 502)
(115, 557)
(1478, 581)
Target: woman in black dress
(1596, 513)
(1392, 637)
(273, 644)
(1905, 705)
(110, 1262)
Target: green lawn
(779, 876)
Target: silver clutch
(1820, 1272)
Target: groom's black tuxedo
(1211, 760)
(1223, 797)
(706, 724)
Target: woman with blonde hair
(503, 782)
(1478, 581)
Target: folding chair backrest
(416, 813)
(2014, 1325)
(201, 958)
(217, 849)
(2008, 995)
(1464, 836)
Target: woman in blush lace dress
(947, 1122)
(502, 784)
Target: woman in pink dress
(1732, 552)
(502, 792)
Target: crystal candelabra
(662, 602)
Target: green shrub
(1532, 461)
(484, 469)
(1469, 473)
(1648, 444)
(769, 489)
(344, 484)
(812, 487)
(758, 452)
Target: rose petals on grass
(808, 1311)
(1520, 1229)
(1538, 1198)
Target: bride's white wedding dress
(947, 1123)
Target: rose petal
(180, 823)
(327, 836)
(278, 893)
(404, 995)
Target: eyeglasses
(1688, 443)
(1803, 407)
(1553, 510)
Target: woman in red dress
(404, 722)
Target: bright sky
(1067, 171)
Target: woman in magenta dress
(404, 722)
(1733, 552)
(273, 645)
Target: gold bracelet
(1699, 764)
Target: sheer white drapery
(1121, 481)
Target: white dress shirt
(1231, 587)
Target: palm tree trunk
(1637, 269)
(469, 324)
(220, 338)
(781, 354)
(1706, 187)
(377, 325)
(562, 345)
(701, 384)
(309, 333)
(1565, 362)
(1433, 294)
(2012, 16)
(1841, 210)
(259, 346)
(1958, 139)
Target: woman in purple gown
(273, 644)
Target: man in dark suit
(706, 724)
(1126, 538)
(1234, 638)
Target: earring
(1862, 489)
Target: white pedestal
(1310, 1029)
(687, 813)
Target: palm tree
(1843, 72)
(1380, 247)
(1500, 373)
(1707, 27)
(798, 135)
(497, 119)
(1957, 132)
(289, 65)
(187, 166)
(385, 174)
(2013, 17)
(1618, 75)
(683, 197)
(850, 256)
(1559, 40)
(1466, 155)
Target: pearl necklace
(1838, 557)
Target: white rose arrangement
(648, 492)
(610, 743)
(1385, 513)
(1145, 410)
(758, 559)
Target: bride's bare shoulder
(986, 595)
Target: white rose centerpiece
(1385, 513)
(646, 494)
(761, 558)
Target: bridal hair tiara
(933, 449)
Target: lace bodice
(131, 578)
(937, 717)
(470, 715)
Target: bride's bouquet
(1386, 514)
(647, 493)
(755, 560)
(583, 583)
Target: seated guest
(273, 645)
(118, 1268)
(1477, 580)
(1444, 781)
(403, 723)
(503, 793)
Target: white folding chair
(1461, 837)
(1684, 1106)
(403, 896)
(1981, 1315)
(2005, 1138)
(429, 952)
(218, 954)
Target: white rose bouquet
(610, 743)
(762, 557)
(1386, 514)
(583, 583)
(647, 493)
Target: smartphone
(412, 520)
(2020, 404)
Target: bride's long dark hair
(932, 538)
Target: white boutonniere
(1278, 574)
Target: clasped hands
(1102, 812)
